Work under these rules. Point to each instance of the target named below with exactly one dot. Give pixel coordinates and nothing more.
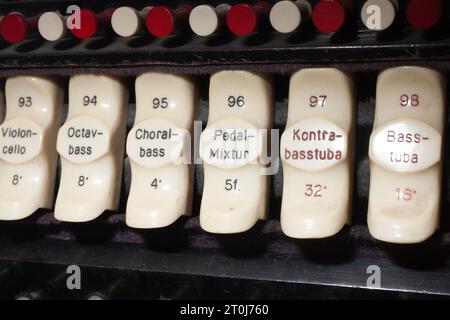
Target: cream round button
(20, 140)
(52, 26)
(83, 139)
(378, 14)
(156, 142)
(313, 144)
(285, 16)
(405, 145)
(231, 143)
(126, 21)
(204, 20)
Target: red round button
(242, 19)
(13, 28)
(88, 25)
(424, 14)
(328, 15)
(160, 21)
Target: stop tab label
(20, 140)
(313, 144)
(83, 139)
(406, 146)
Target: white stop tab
(159, 149)
(316, 150)
(405, 153)
(231, 147)
(28, 155)
(91, 144)
(83, 139)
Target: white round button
(378, 14)
(204, 20)
(285, 16)
(126, 21)
(52, 26)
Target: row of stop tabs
(238, 150)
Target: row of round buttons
(241, 19)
